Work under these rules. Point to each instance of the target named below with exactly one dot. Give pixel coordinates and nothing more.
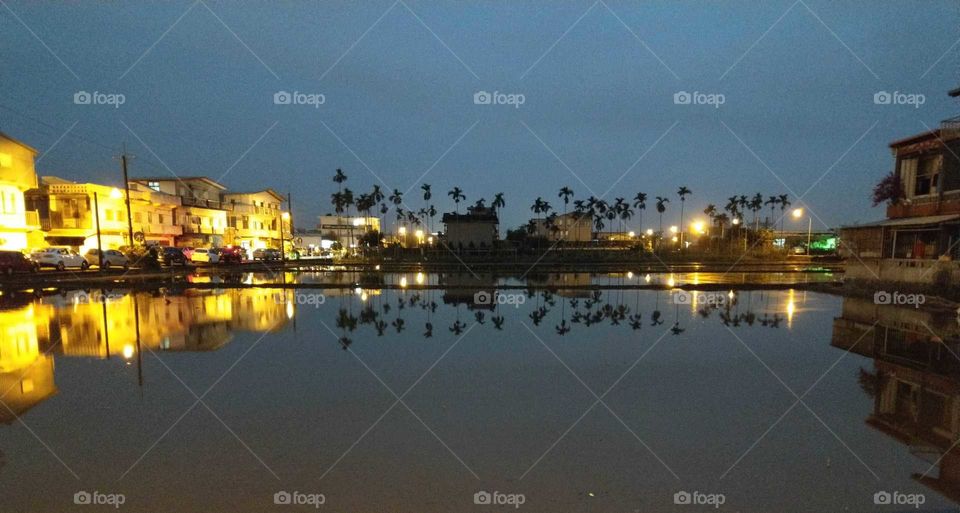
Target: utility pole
(126, 186)
(96, 214)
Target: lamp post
(797, 214)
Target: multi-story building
(571, 227)
(254, 219)
(68, 213)
(345, 229)
(920, 239)
(201, 215)
(477, 229)
(19, 227)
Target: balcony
(929, 205)
(190, 201)
(32, 219)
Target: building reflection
(914, 382)
(118, 324)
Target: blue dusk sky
(785, 103)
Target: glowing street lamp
(736, 221)
(797, 214)
(674, 229)
(698, 227)
(632, 234)
(403, 231)
(649, 232)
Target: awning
(907, 222)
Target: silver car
(110, 258)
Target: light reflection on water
(486, 391)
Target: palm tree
(682, 192)
(457, 195)
(397, 199)
(756, 205)
(618, 205)
(772, 201)
(661, 208)
(339, 177)
(426, 192)
(640, 203)
(784, 203)
(498, 202)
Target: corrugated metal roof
(908, 221)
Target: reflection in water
(914, 382)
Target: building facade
(255, 219)
(477, 229)
(201, 216)
(345, 229)
(19, 227)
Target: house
(71, 213)
(254, 219)
(19, 227)
(569, 227)
(201, 215)
(345, 229)
(919, 241)
(475, 229)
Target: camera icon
(282, 98)
(482, 98)
(282, 498)
(82, 497)
(681, 297)
(882, 98)
(882, 498)
(682, 497)
(82, 98)
(483, 298)
(682, 98)
(482, 497)
(882, 297)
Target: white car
(59, 258)
(111, 258)
(208, 255)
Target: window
(154, 185)
(137, 218)
(928, 175)
(6, 160)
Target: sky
(587, 97)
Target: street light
(649, 232)
(797, 214)
(632, 234)
(736, 221)
(673, 229)
(697, 227)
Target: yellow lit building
(201, 215)
(26, 373)
(68, 212)
(17, 175)
(254, 219)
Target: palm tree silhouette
(457, 195)
(784, 203)
(683, 191)
(640, 203)
(339, 177)
(661, 208)
(773, 201)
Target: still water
(382, 399)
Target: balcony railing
(189, 201)
(32, 218)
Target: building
(19, 227)
(200, 215)
(345, 229)
(477, 229)
(254, 219)
(571, 227)
(67, 215)
(918, 242)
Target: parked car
(231, 255)
(59, 258)
(266, 254)
(110, 258)
(16, 262)
(208, 255)
(169, 255)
